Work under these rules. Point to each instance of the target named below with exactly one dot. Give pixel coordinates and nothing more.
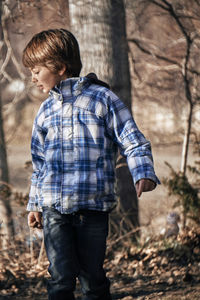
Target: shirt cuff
(33, 207)
(145, 175)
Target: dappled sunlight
(148, 53)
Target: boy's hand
(144, 185)
(35, 219)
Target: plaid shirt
(76, 134)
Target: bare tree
(171, 72)
(16, 28)
(6, 212)
(3, 155)
(100, 28)
(182, 16)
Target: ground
(154, 268)
(167, 269)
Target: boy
(76, 134)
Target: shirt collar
(69, 87)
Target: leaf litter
(157, 269)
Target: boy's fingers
(31, 219)
(144, 185)
(38, 217)
(35, 219)
(138, 188)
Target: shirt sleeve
(131, 142)
(37, 143)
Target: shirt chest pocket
(52, 127)
(89, 129)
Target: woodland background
(148, 51)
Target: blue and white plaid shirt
(76, 134)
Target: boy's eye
(35, 72)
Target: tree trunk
(100, 28)
(185, 148)
(186, 141)
(121, 85)
(3, 154)
(6, 221)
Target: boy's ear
(62, 71)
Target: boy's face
(45, 79)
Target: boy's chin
(45, 91)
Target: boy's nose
(34, 79)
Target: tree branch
(5, 15)
(6, 61)
(137, 43)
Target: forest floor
(155, 268)
(166, 269)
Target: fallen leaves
(165, 264)
(152, 271)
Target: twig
(123, 236)
(31, 246)
(41, 252)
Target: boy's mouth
(40, 87)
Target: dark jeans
(75, 246)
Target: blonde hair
(53, 48)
